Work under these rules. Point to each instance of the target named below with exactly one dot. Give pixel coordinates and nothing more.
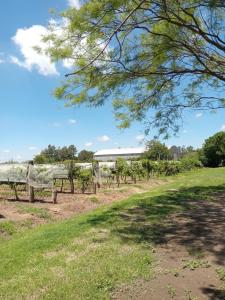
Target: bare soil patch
(67, 205)
(190, 249)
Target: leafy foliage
(85, 156)
(52, 154)
(156, 151)
(153, 59)
(214, 150)
(85, 178)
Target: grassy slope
(87, 256)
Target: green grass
(221, 273)
(7, 227)
(86, 257)
(35, 211)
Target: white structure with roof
(113, 154)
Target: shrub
(191, 161)
(214, 150)
(84, 179)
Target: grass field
(90, 255)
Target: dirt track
(189, 253)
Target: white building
(113, 154)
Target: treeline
(53, 154)
(212, 153)
(155, 150)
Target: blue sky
(31, 118)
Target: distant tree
(213, 151)
(85, 156)
(156, 151)
(177, 152)
(40, 159)
(52, 154)
(66, 153)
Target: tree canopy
(85, 156)
(156, 151)
(214, 150)
(52, 154)
(152, 58)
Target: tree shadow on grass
(200, 224)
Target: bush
(214, 150)
(191, 161)
(169, 168)
(84, 179)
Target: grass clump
(221, 273)
(36, 211)
(7, 228)
(94, 199)
(195, 264)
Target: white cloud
(26, 39)
(56, 124)
(88, 144)
(198, 115)
(140, 137)
(32, 148)
(1, 61)
(72, 121)
(185, 131)
(6, 151)
(103, 139)
(74, 3)
(222, 127)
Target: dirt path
(190, 257)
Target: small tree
(121, 169)
(214, 150)
(85, 156)
(136, 170)
(156, 151)
(85, 178)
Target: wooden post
(95, 188)
(62, 184)
(31, 193)
(71, 177)
(54, 196)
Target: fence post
(54, 196)
(71, 177)
(31, 193)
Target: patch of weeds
(94, 199)
(43, 193)
(27, 224)
(189, 295)
(171, 291)
(195, 264)
(221, 273)
(36, 211)
(105, 285)
(175, 272)
(7, 227)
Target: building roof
(120, 151)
